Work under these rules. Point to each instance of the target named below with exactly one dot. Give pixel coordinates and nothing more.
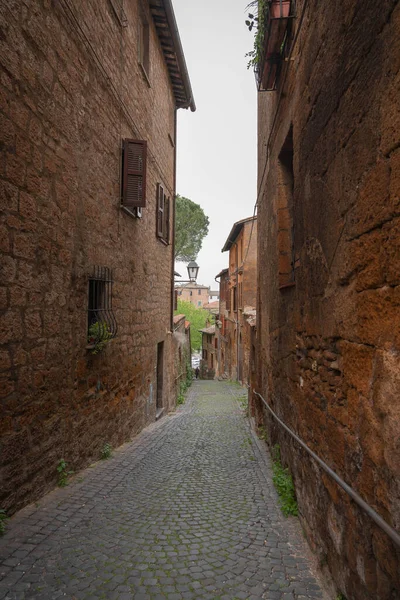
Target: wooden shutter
(160, 210)
(134, 174)
(167, 219)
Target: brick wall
(235, 347)
(328, 309)
(71, 90)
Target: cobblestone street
(185, 510)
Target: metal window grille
(102, 324)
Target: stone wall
(71, 90)
(182, 355)
(328, 315)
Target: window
(191, 292)
(134, 174)
(199, 292)
(234, 291)
(144, 46)
(285, 237)
(163, 216)
(228, 298)
(102, 325)
(199, 303)
(205, 354)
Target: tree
(198, 319)
(191, 227)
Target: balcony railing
(274, 22)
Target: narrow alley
(185, 510)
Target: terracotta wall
(329, 343)
(71, 89)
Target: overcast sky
(217, 144)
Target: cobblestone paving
(186, 510)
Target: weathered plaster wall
(329, 345)
(70, 90)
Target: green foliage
(63, 473)
(244, 404)
(257, 22)
(191, 227)
(99, 336)
(283, 483)
(189, 374)
(3, 519)
(340, 596)
(197, 317)
(106, 451)
(262, 433)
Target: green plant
(283, 483)
(257, 22)
(189, 374)
(63, 473)
(182, 389)
(191, 227)
(3, 519)
(106, 451)
(262, 433)
(99, 335)
(197, 318)
(340, 596)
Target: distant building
(194, 293)
(208, 355)
(212, 307)
(213, 295)
(238, 293)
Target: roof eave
(188, 102)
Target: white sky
(217, 144)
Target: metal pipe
(392, 533)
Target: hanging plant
(256, 21)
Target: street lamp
(192, 270)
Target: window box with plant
(270, 22)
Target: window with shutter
(167, 209)
(163, 214)
(160, 210)
(134, 174)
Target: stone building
(182, 353)
(238, 292)
(196, 294)
(328, 307)
(88, 99)
(208, 361)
